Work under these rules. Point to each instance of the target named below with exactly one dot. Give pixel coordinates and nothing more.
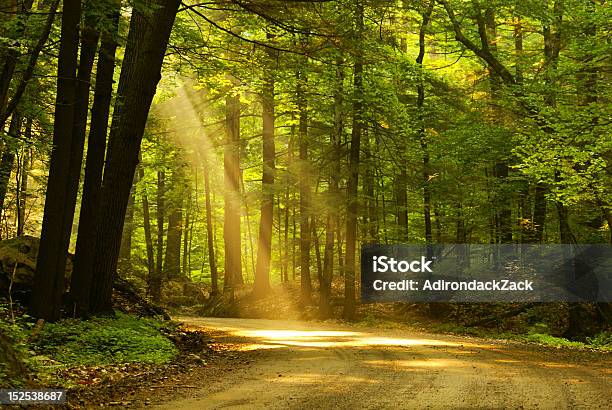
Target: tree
(81, 279)
(8, 156)
(51, 262)
(305, 194)
(134, 98)
(172, 260)
(264, 243)
(353, 181)
(231, 166)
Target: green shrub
(553, 341)
(602, 340)
(105, 340)
(14, 354)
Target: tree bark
(89, 45)
(51, 261)
(305, 194)
(369, 183)
(231, 216)
(539, 212)
(146, 214)
(156, 283)
(80, 285)
(22, 190)
(125, 249)
(325, 310)
(421, 132)
(8, 157)
(135, 99)
(212, 261)
(172, 260)
(504, 210)
(401, 197)
(186, 230)
(264, 243)
(353, 181)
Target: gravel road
(309, 365)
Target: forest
(231, 157)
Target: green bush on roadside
(602, 340)
(105, 340)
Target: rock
(18, 263)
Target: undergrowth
(538, 333)
(68, 343)
(106, 340)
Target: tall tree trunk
(518, 49)
(240, 280)
(212, 261)
(285, 261)
(231, 216)
(438, 223)
(504, 213)
(502, 204)
(401, 198)
(305, 194)
(124, 142)
(353, 181)
(80, 284)
(172, 260)
(23, 181)
(525, 217)
(461, 236)
(317, 247)
(51, 261)
(8, 157)
(281, 247)
(89, 45)
(421, 132)
(125, 249)
(325, 309)
(552, 48)
(161, 216)
(264, 243)
(186, 230)
(146, 215)
(539, 212)
(565, 233)
(369, 182)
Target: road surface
(308, 365)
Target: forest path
(294, 364)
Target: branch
(483, 52)
(286, 27)
(230, 32)
(29, 71)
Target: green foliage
(106, 340)
(602, 340)
(537, 333)
(16, 335)
(549, 340)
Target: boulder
(18, 264)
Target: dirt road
(317, 366)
